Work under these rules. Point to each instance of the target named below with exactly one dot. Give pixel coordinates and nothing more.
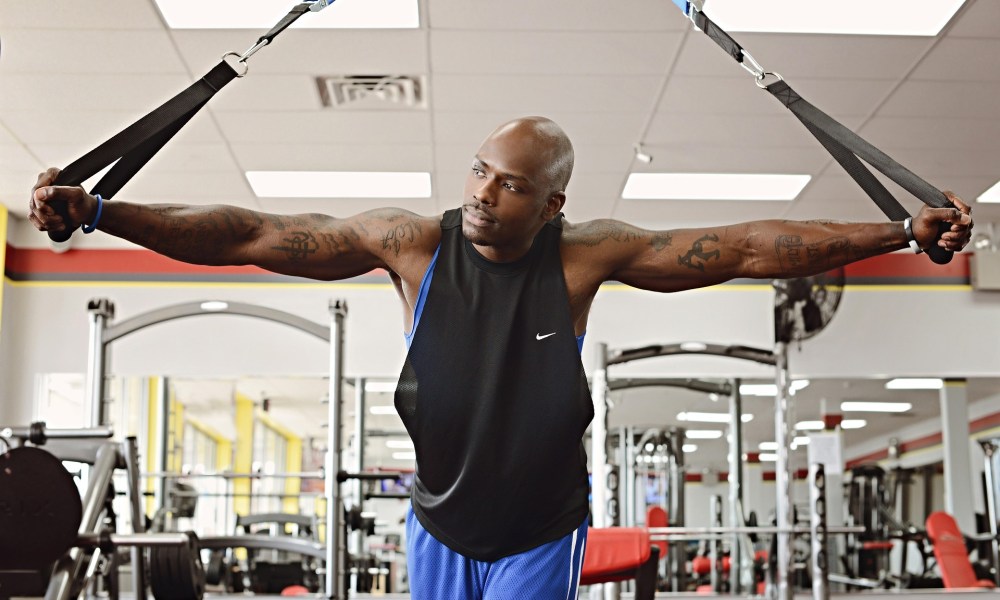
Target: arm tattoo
(698, 252)
(661, 241)
(298, 246)
(599, 231)
(394, 239)
(341, 240)
(794, 254)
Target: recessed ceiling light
(703, 434)
(382, 410)
(713, 186)
(768, 446)
(214, 305)
(339, 184)
(404, 455)
(853, 423)
(857, 17)
(342, 14)
(991, 195)
(800, 440)
(689, 447)
(707, 417)
(914, 383)
(884, 407)
(770, 389)
(399, 444)
(767, 457)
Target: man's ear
(553, 205)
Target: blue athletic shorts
(549, 572)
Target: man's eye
(477, 171)
(511, 187)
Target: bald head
(549, 144)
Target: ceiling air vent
(371, 92)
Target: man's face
(506, 190)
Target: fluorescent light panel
(689, 448)
(853, 423)
(882, 407)
(991, 195)
(404, 455)
(914, 383)
(810, 426)
(767, 457)
(380, 386)
(770, 389)
(713, 186)
(768, 446)
(399, 444)
(703, 434)
(382, 410)
(263, 14)
(855, 17)
(339, 184)
(707, 417)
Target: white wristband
(908, 229)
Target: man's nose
(485, 192)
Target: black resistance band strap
(135, 145)
(843, 144)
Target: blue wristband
(93, 226)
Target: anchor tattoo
(698, 251)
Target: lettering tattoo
(298, 246)
(795, 255)
(597, 232)
(394, 239)
(697, 256)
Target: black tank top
(494, 396)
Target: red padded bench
(951, 554)
(619, 554)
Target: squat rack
(103, 332)
(783, 426)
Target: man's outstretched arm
(690, 258)
(313, 245)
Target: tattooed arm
(682, 259)
(313, 245)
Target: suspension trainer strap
(135, 145)
(846, 147)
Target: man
(496, 296)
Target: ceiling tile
(782, 130)
(174, 157)
(806, 56)
(333, 157)
(67, 52)
(97, 92)
(937, 99)
(557, 15)
(468, 129)
(17, 158)
(87, 129)
(269, 93)
(540, 94)
(321, 127)
(588, 158)
(978, 20)
(739, 96)
(695, 158)
(58, 14)
(961, 60)
(966, 135)
(552, 53)
(311, 52)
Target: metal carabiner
(240, 60)
(760, 79)
(755, 67)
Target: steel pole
(334, 582)
(783, 473)
(100, 312)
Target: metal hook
(755, 67)
(246, 68)
(760, 79)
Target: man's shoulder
(590, 234)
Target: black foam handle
(938, 254)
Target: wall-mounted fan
(803, 306)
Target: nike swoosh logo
(539, 336)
